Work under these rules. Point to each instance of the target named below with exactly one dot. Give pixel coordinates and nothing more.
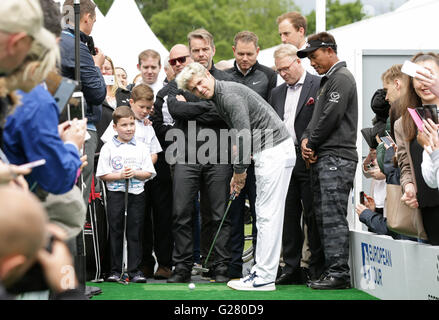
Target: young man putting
(258, 129)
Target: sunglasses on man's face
(180, 60)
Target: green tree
(104, 5)
(151, 7)
(337, 15)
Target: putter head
(97, 280)
(124, 279)
(200, 269)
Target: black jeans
(215, 182)
(116, 220)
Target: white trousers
(273, 168)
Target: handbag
(401, 218)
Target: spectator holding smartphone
(417, 193)
(430, 158)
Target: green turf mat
(217, 291)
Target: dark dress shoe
(162, 273)
(113, 278)
(180, 277)
(138, 278)
(289, 278)
(148, 271)
(221, 278)
(330, 283)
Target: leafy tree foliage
(104, 5)
(337, 15)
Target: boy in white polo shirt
(141, 102)
(125, 158)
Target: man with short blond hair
(261, 135)
(149, 65)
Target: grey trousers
(332, 180)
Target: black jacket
(203, 112)
(160, 125)
(333, 126)
(93, 84)
(260, 78)
(305, 105)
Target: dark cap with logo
(313, 45)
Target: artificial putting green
(219, 291)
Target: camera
(33, 279)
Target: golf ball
(191, 286)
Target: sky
(372, 7)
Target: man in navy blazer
(294, 103)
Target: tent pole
(320, 16)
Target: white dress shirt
(291, 101)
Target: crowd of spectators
(159, 148)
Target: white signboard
(394, 269)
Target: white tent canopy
(412, 26)
(126, 34)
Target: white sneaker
(251, 283)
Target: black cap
(380, 106)
(313, 45)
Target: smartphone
(410, 68)
(33, 164)
(429, 111)
(73, 109)
(417, 118)
(362, 197)
(109, 80)
(64, 93)
(387, 140)
(390, 137)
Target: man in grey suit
(294, 103)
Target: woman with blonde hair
(117, 95)
(416, 192)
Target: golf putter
(124, 279)
(205, 269)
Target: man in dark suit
(294, 103)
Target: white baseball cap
(25, 16)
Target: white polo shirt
(144, 134)
(116, 155)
